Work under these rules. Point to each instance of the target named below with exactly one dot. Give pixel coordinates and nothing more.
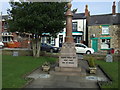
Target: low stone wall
(23, 52)
(48, 54)
(116, 57)
(20, 52)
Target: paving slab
(51, 80)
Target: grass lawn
(112, 70)
(13, 69)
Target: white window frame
(105, 45)
(105, 30)
(74, 29)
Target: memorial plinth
(68, 57)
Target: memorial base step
(68, 69)
(68, 73)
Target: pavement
(53, 80)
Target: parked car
(49, 48)
(1, 45)
(81, 48)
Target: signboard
(15, 53)
(109, 58)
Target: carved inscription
(67, 60)
(68, 57)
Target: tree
(37, 18)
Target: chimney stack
(114, 8)
(87, 13)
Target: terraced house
(104, 31)
(79, 31)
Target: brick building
(12, 39)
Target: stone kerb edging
(26, 78)
(100, 83)
(105, 82)
(29, 82)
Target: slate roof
(104, 19)
(79, 16)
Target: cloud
(8, 0)
(4, 0)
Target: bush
(91, 61)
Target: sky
(95, 7)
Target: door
(95, 44)
(77, 38)
(60, 40)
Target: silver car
(81, 48)
(1, 44)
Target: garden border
(26, 78)
(101, 82)
(105, 82)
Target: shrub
(46, 64)
(91, 61)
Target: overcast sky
(95, 6)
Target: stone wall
(28, 53)
(20, 52)
(114, 34)
(93, 30)
(116, 57)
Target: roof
(104, 19)
(5, 17)
(79, 16)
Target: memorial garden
(67, 69)
(15, 69)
